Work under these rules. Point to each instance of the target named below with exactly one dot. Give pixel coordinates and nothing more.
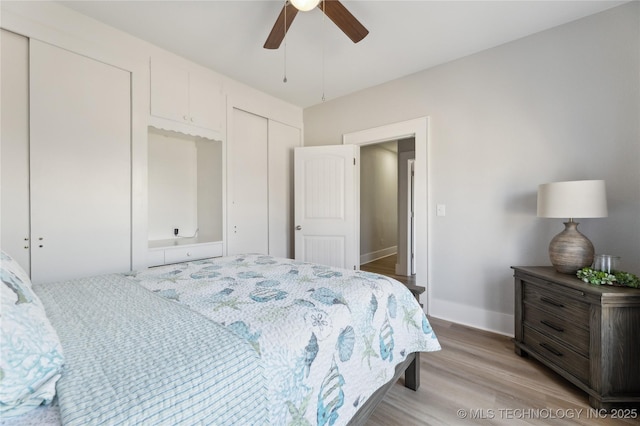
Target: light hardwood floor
(478, 372)
(387, 266)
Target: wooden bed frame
(410, 367)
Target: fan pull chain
(324, 15)
(284, 80)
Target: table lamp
(570, 250)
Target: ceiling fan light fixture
(305, 5)
(332, 9)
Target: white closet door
(80, 165)
(248, 220)
(282, 140)
(15, 147)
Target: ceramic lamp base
(570, 250)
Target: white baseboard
(495, 322)
(370, 257)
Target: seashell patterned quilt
(327, 337)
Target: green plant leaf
(622, 278)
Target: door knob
(298, 228)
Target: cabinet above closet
(186, 99)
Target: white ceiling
(405, 37)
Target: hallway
(387, 266)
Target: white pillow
(31, 355)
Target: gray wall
(562, 104)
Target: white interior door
(327, 205)
(80, 165)
(248, 191)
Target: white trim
(378, 254)
(411, 228)
(496, 322)
(418, 128)
(388, 132)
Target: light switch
(441, 210)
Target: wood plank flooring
(387, 266)
(478, 372)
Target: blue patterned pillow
(31, 356)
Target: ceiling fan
(332, 8)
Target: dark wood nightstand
(588, 334)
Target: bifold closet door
(80, 165)
(247, 184)
(282, 141)
(14, 74)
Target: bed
(247, 339)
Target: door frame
(417, 128)
(411, 229)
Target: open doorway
(387, 232)
(419, 129)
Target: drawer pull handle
(550, 349)
(552, 302)
(552, 326)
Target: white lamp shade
(304, 5)
(572, 199)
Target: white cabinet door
(282, 141)
(80, 165)
(247, 220)
(186, 95)
(169, 91)
(15, 147)
(205, 101)
(327, 205)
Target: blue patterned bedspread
(135, 358)
(328, 338)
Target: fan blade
(277, 32)
(344, 19)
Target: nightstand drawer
(557, 303)
(558, 354)
(564, 329)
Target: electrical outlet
(441, 210)
(175, 231)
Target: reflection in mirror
(185, 188)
